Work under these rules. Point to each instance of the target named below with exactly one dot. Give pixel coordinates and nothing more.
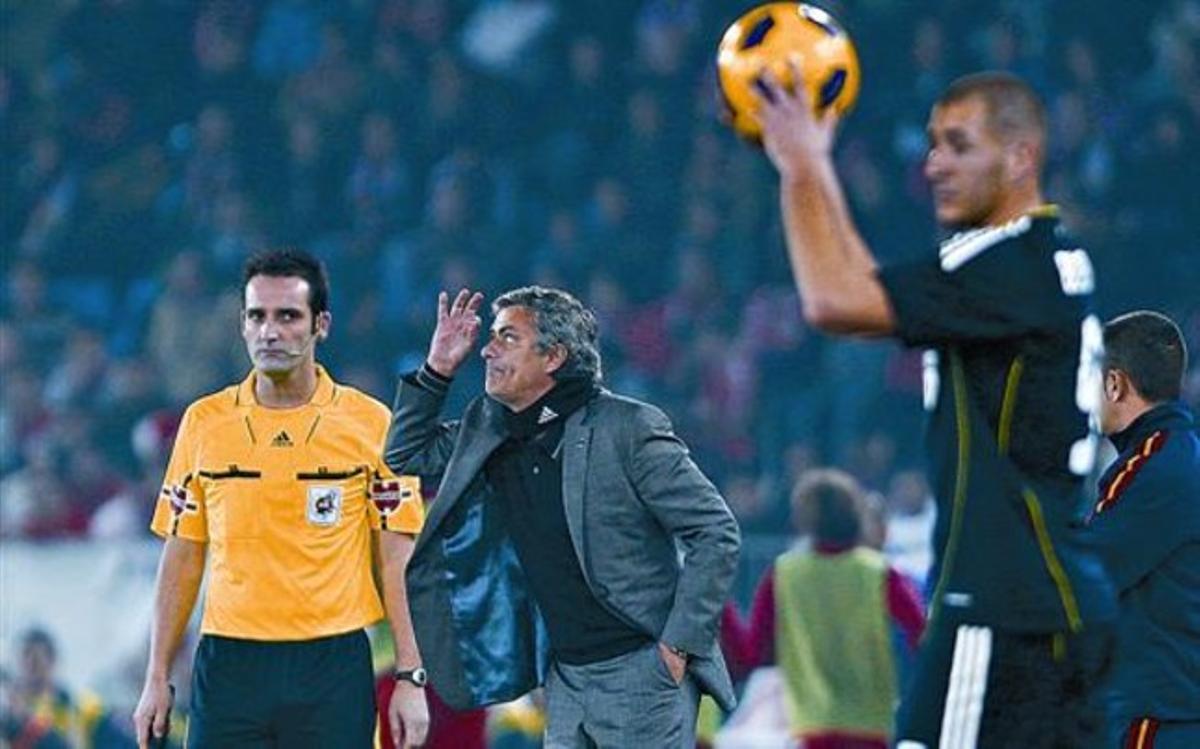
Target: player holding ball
(1021, 616)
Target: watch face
(419, 677)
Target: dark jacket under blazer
(655, 541)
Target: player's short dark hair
(1012, 105)
(290, 262)
(1149, 348)
(829, 503)
(560, 319)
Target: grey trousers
(629, 701)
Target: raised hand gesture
(456, 332)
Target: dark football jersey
(1012, 375)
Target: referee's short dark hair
(287, 262)
(1148, 347)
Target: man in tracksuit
(1147, 520)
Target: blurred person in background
(310, 185)
(911, 514)
(234, 234)
(47, 193)
(23, 416)
(123, 516)
(1021, 630)
(76, 380)
(37, 504)
(279, 483)
(589, 548)
(41, 325)
(130, 391)
(840, 623)
(332, 86)
(37, 686)
(22, 728)
(212, 167)
(189, 322)
(378, 189)
(40, 713)
(1147, 524)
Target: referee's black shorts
(975, 687)
(310, 693)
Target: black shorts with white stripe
(975, 687)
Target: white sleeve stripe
(961, 248)
(967, 688)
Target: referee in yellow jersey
(277, 484)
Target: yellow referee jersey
(286, 500)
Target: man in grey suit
(572, 542)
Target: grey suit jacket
(655, 540)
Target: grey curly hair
(563, 320)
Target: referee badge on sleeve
(179, 498)
(324, 505)
(181, 502)
(389, 494)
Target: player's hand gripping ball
(778, 37)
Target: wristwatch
(417, 676)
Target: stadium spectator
(40, 325)
(378, 188)
(129, 392)
(309, 206)
(76, 380)
(449, 110)
(839, 621)
(561, 259)
(18, 727)
(288, 39)
(36, 503)
(212, 168)
(1147, 524)
(47, 190)
(911, 515)
(52, 718)
(609, 592)
(24, 417)
(1005, 311)
(188, 338)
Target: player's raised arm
(832, 266)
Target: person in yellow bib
(277, 486)
(839, 622)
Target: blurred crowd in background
(147, 147)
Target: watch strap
(416, 676)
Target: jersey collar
(1168, 416)
(323, 396)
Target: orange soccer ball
(778, 36)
